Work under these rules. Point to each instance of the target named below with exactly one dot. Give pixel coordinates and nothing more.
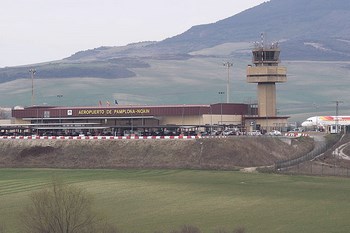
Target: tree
(61, 208)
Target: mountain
(308, 30)
(314, 37)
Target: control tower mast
(266, 72)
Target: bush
(62, 208)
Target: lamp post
(211, 119)
(221, 93)
(316, 108)
(228, 65)
(337, 102)
(32, 72)
(59, 103)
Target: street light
(316, 108)
(221, 93)
(337, 102)
(32, 71)
(211, 119)
(59, 96)
(228, 65)
(59, 103)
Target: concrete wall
(267, 99)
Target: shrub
(62, 208)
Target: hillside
(307, 30)
(228, 153)
(312, 30)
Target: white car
(228, 132)
(254, 133)
(296, 130)
(275, 133)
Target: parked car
(228, 132)
(254, 133)
(215, 133)
(296, 130)
(275, 133)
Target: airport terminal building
(119, 119)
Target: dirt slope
(216, 153)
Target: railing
(318, 169)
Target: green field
(161, 200)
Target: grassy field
(160, 200)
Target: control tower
(266, 73)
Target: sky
(34, 31)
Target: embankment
(205, 153)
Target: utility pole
(59, 96)
(228, 65)
(221, 93)
(32, 71)
(316, 107)
(337, 102)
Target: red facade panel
(229, 109)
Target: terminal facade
(140, 118)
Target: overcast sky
(33, 31)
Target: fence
(320, 169)
(320, 148)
